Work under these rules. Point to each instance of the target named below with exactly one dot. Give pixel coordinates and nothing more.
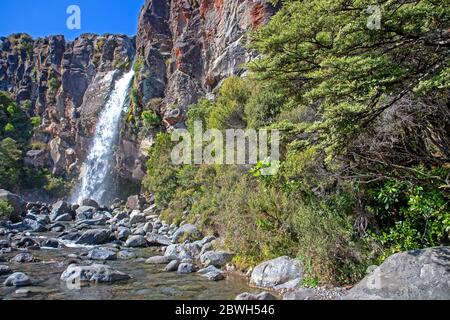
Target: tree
(325, 57)
(10, 164)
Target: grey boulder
(154, 239)
(17, 279)
(94, 237)
(412, 275)
(102, 254)
(216, 258)
(185, 268)
(58, 209)
(186, 232)
(136, 242)
(95, 273)
(279, 273)
(158, 260)
(4, 270)
(172, 266)
(16, 202)
(263, 296)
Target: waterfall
(98, 165)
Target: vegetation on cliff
(364, 115)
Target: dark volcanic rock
(93, 237)
(16, 202)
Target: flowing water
(98, 165)
(148, 282)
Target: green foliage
(35, 121)
(410, 217)
(228, 110)
(323, 51)
(138, 65)
(54, 84)
(57, 186)
(150, 119)
(10, 164)
(6, 210)
(13, 120)
(364, 141)
(199, 112)
(161, 178)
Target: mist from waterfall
(98, 166)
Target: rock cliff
(189, 47)
(182, 51)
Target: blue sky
(48, 17)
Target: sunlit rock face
(185, 47)
(63, 83)
(189, 47)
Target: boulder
(50, 243)
(90, 203)
(94, 237)
(172, 266)
(261, 296)
(23, 258)
(102, 254)
(126, 255)
(123, 233)
(4, 270)
(137, 217)
(279, 273)
(212, 273)
(16, 202)
(412, 275)
(216, 258)
(158, 260)
(33, 226)
(37, 158)
(95, 273)
(58, 209)
(17, 279)
(182, 251)
(135, 202)
(154, 239)
(185, 268)
(85, 212)
(136, 242)
(186, 232)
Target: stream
(149, 282)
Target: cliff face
(183, 49)
(61, 82)
(188, 47)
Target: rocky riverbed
(126, 251)
(88, 252)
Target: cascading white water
(98, 165)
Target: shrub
(138, 65)
(160, 177)
(35, 121)
(150, 119)
(228, 111)
(6, 210)
(10, 164)
(410, 217)
(57, 186)
(53, 84)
